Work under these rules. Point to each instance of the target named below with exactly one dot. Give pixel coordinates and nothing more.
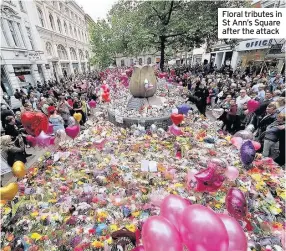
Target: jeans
(267, 148)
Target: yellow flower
(131, 227)
(256, 176)
(109, 241)
(7, 210)
(43, 217)
(260, 185)
(80, 183)
(102, 214)
(136, 214)
(52, 201)
(218, 205)
(34, 214)
(275, 210)
(36, 236)
(113, 227)
(178, 185)
(281, 193)
(97, 244)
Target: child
(231, 116)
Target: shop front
(221, 55)
(24, 75)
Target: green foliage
(137, 26)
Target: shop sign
(34, 56)
(254, 44)
(221, 49)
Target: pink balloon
(236, 235)
(236, 203)
(172, 208)
(237, 142)
(50, 129)
(73, 131)
(256, 145)
(175, 130)
(52, 140)
(201, 229)
(92, 104)
(231, 173)
(252, 105)
(32, 140)
(43, 140)
(139, 248)
(158, 234)
(208, 180)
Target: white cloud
(96, 8)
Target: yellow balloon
(77, 116)
(18, 169)
(8, 192)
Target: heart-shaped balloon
(34, 122)
(73, 131)
(77, 116)
(43, 140)
(208, 180)
(252, 105)
(177, 118)
(236, 203)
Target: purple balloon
(183, 109)
(43, 140)
(247, 153)
(158, 234)
(236, 203)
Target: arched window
(61, 6)
(41, 17)
(73, 54)
(66, 28)
(70, 30)
(81, 56)
(62, 52)
(79, 37)
(87, 55)
(52, 21)
(140, 61)
(74, 31)
(59, 25)
(82, 36)
(49, 48)
(148, 60)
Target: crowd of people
(60, 100)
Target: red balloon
(177, 118)
(236, 235)
(256, 145)
(32, 140)
(236, 203)
(208, 180)
(158, 234)
(201, 229)
(34, 122)
(105, 96)
(252, 105)
(172, 208)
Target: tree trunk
(162, 48)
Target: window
(21, 6)
(122, 62)
(41, 17)
(30, 37)
(4, 33)
(74, 31)
(67, 11)
(22, 37)
(140, 61)
(49, 48)
(71, 14)
(81, 56)
(131, 61)
(59, 25)
(70, 30)
(73, 54)
(13, 32)
(66, 28)
(55, 3)
(79, 37)
(148, 60)
(61, 6)
(62, 52)
(52, 21)
(86, 55)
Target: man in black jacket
(5, 112)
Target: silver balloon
(250, 128)
(161, 132)
(244, 134)
(153, 128)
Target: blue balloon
(184, 109)
(100, 227)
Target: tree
(139, 26)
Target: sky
(96, 8)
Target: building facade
(41, 40)
(144, 58)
